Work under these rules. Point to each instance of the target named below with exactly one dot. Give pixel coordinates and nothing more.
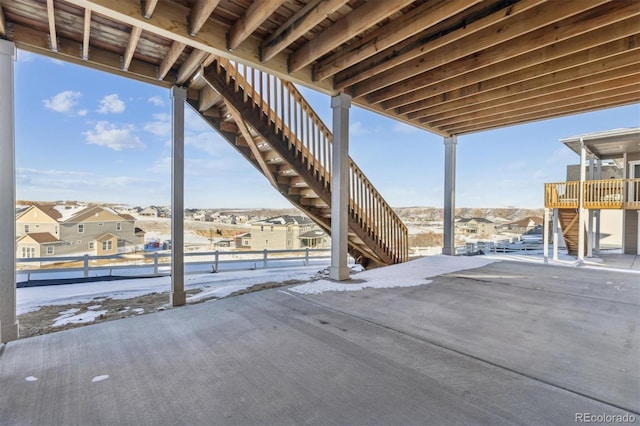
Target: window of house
(118, 226)
(100, 224)
(261, 228)
(55, 229)
(288, 243)
(80, 228)
(266, 242)
(49, 249)
(91, 245)
(26, 229)
(37, 226)
(245, 243)
(107, 245)
(271, 228)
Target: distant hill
(500, 214)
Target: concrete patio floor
(508, 343)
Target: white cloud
(111, 104)
(161, 126)
(82, 112)
(63, 101)
(114, 137)
(156, 100)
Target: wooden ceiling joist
(306, 18)
(344, 29)
(255, 14)
(544, 96)
(190, 65)
(407, 25)
(548, 84)
(423, 43)
(170, 58)
(101, 59)
(585, 103)
(86, 35)
(200, 12)
(446, 66)
(134, 37)
(3, 23)
(524, 33)
(148, 6)
(53, 39)
(612, 40)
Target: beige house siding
(35, 220)
(631, 232)
(271, 237)
(80, 233)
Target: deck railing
(287, 109)
(598, 194)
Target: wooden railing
(598, 194)
(562, 195)
(296, 120)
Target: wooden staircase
(270, 123)
(569, 224)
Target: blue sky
(86, 135)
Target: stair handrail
(302, 126)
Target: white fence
(159, 264)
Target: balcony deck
(598, 194)
(508, 343)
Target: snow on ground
(407, 274)
(213, 285)
(72, 316)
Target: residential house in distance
(601, 197)
(523, 225)
(285, 233)
(476, 226)
(243, 240)
(57, 230)
(150, 211)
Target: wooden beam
(423, 43)
(53, 40)
(560, 107)
(171, 57)
(415, 21)
(71, 51)
(190, 65)
(616, 101)
(3, 23)
(266, 170)
(208, 98)
(528, 31)
(299, 24)
(254, 16)
(211, 37)
(148, 6)
(547, 83)
(607, 82)
(608, 41)
(134, 37)
(200, 12)
(343, 30)
(86, 34)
